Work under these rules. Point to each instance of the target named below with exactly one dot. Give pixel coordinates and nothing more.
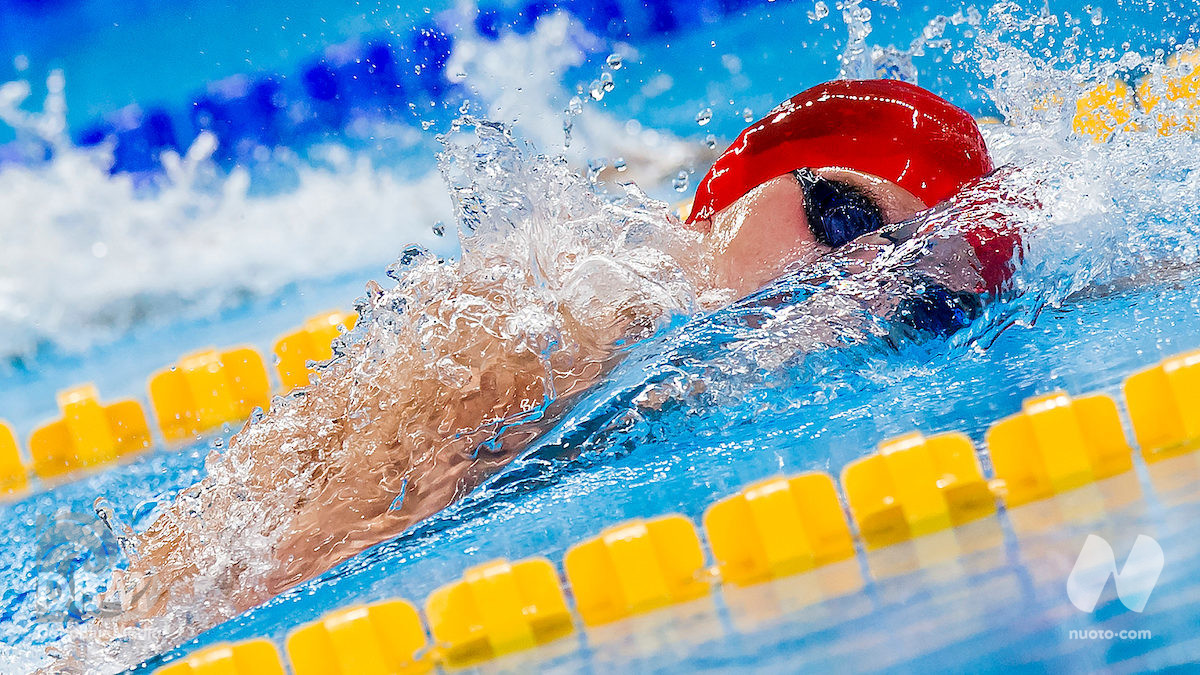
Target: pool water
(1106, 290)
(989, 596)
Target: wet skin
(320, 485)
(754, 240)
(756, 237)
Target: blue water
(164, 56)
(987, 597)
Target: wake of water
(89, 255)
(559, 285)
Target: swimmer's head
(830, 164)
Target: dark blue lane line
(392, 77)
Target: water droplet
(748, 115)
(464, 108)
(575, 106)
(704, 116)
(711, 141)
(595, 166)
(619, 164)
(439, 229)
(596, 90)
(399, 500)
(412, 256)
(425, 124)
(614, 61)
(681, 182)
(606, 82)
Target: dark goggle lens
(837, 213)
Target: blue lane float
(243, 113)
(378, 77)
(139, 137)
(391, 77)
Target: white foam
(88, 256)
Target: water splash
(861, 60)
(519, 79)
(443, 379)
(551, 262)
(89, 256)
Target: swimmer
(362, 454)
(838, 163)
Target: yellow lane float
(1177, 90)
(385, 638)
(252, 657)
(88, 433)
(1104, 109)
(13, 475)
(311, 342)
(914, 486)
(636, 567)
(1164, 406)
(208, 389)
(498, 608)
(778, 527)
(1057, 444)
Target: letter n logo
(1096, 563)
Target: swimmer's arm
(1150, 273)
(354, 459)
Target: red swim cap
(892, 129)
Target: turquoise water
(1002, 605)
(1098, 298)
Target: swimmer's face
(754, 239)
